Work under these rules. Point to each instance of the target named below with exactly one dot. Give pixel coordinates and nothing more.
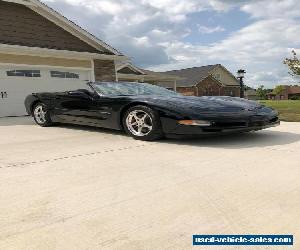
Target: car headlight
(202, 123)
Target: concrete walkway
(70, 187)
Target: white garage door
(16, 82)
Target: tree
(261, 92)
(278, 89)
(293, 63)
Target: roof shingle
(191, 76)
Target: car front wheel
(41, 115)
(142, 123)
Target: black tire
(154, 133)
(44, 121)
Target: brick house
(251, 94)
(40, 50)
(210, 80)
(128, 72)
(289, 92)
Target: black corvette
(148, 112)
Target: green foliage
(289, 110)
(261, 92)
(295, 98)
(278, 90)
(293, 63)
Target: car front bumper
(171, 126)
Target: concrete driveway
(70, 187)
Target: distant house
(129, 72)
(251, 94)
(289, 92)
(210, 80)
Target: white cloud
(151, 32)
(142, 41)
(210, 30)
(259, 48)
(272, 9)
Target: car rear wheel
(41, 115)
(142, 123)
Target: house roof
(129, 68)
(294, 89)
(128, 71)
(68, 25)
(288, 89)
(192, 76)
(250, 92)
(161, 75)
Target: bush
(295, 98)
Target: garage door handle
(3, 95)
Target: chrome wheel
(139, 123)
(40, 114)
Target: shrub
(295, 98)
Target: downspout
(116, 72)
(175, 85)
(93, 77)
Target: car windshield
(130, 89)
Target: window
(229, 93)
(59, 74)
(24, 73)
(218, 76)
(3, 95)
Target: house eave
(44, 52)
(146, 77)
(130, 77)
(161, 78)
(66, 24)
(186, 86)
(23, 2)
(234, 86)
(132, 67)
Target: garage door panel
(18, 87)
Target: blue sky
(167, 34)
(220, 25)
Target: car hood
(204, 103)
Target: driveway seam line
(19, 165)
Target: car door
(81, 108)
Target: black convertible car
(148, 112)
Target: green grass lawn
(288, 110)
